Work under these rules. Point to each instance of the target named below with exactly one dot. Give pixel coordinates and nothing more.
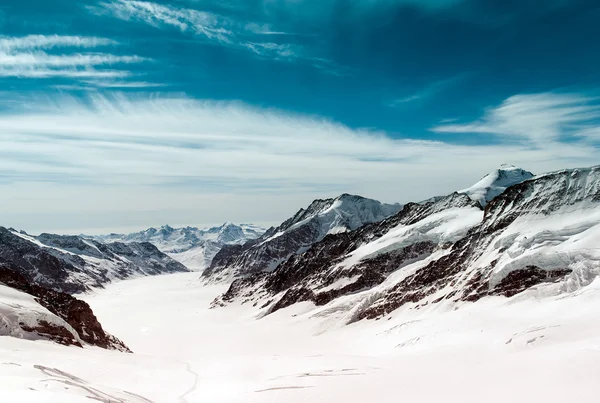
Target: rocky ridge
(73, 264)
(538, 234)
(296, 235)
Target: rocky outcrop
(76, 313)
(49, 268)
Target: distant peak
(166, 230)
(348, 196)
(510, 167)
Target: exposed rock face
(297, 234)
(50, 331)
(72, 264)
(541, 232)
(76, 313)
(39, 264)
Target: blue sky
(123, 114)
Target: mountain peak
(348, 196)
(496, 182)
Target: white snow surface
(496, 182)
(568, 239)
(528, 349)
(446, 226)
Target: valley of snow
(524, 349)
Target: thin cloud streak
(46, 60)
(31, 42)
(428, 91)
(27, 57)
(37, 72)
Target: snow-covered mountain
(191, 246)
(539, 234)
(352, 261)
(73, 264)
(297, 234)
(496, 182)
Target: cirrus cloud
(29, 57)
(118, 153)
(537, 118)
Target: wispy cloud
(31, 42)
(214, 29)
(122, 84)
(43, 72)
(77, 60)
(208, 24)
(167, 140)
(427, 91)
(183, 159)
(28, 57)
(274, 50)
(536, 117)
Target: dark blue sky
(394, 65)
(289, 98)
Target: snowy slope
(352, 261)
(297, 234)
(21, 315)
(496, 350)
(540, 234)
(496, 182)
(191, 246)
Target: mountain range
(191, 246)
(512, 233)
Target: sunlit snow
(496, 350)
